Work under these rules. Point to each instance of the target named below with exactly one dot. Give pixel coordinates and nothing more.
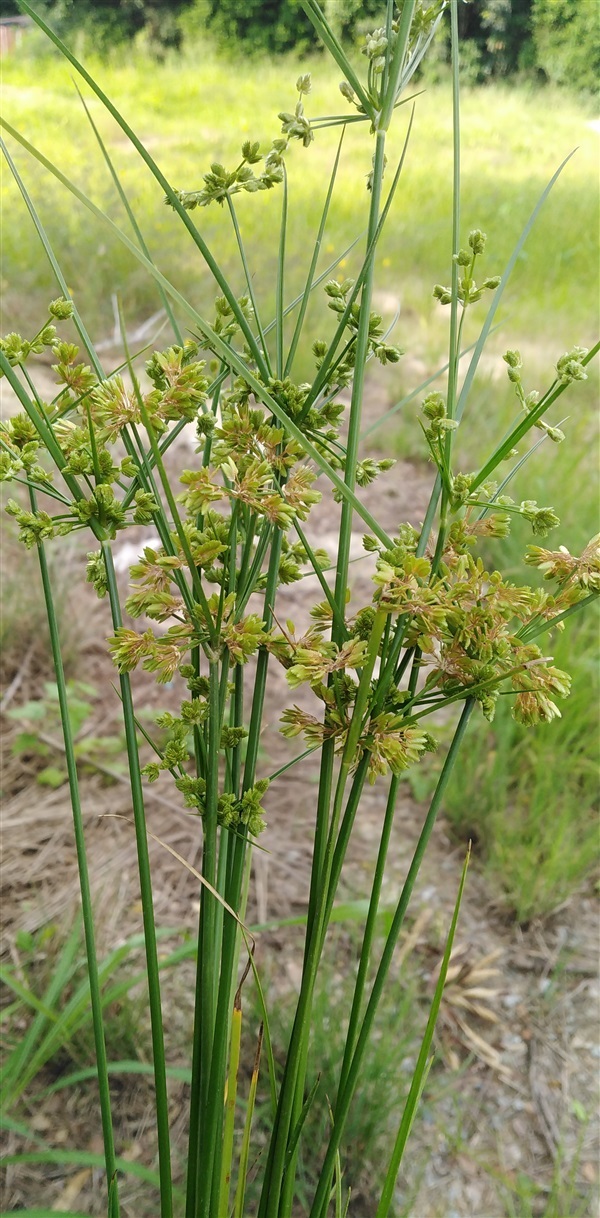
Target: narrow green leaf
(11, 1125)
(238, 1206)
(229, 1125)
(527, 421)
(181, 1074)
(481, 341)
(365, 270)
(53, 1213)
(308, 287)
(321, 25)
(298, 1127)
(423, 1061)
(160, 178)
(130, 213)
(82, 1158)
(226, 353)
(533, 632)
(249, 283)
(264, 1014)
(23, 992)
(344, 1097)
(279, 336)
(397, 63)
(62, 283)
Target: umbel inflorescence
(468, 627)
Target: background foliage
(553, 40)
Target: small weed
(40, 738)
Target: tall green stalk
(346, 1091)
(139, 815)
(84, 885)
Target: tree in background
(110, 22)
(560, 39)
(566, 36)
(498, 37)
(281, 25)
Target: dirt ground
(516, 1081)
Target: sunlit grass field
(197, 109)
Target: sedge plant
(439, 630)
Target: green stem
(279, 315)
(345, 1096)
(280, 1195)
(532, 631)
(362, 346)
(367, 943)
(234, 1062)
(242, 253)
(396, 64)
(206, 964)
(526, 424)
(455, 329)
(258, 697)
(84, 884)
(454, 352)
(137, 799)
(369, 932)
(291, 1090)
(313, 265)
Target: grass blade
(160, 178)
(229, 1126)
(83, 1158)
(248, 277)
(240, 1192)
(527, 422)
(131, 215)
(14, 1070)
(226, 353)
(321, 25)
(137, 797)
(313, 264)
(266, 1032)
(53, 1213)
(181, 1073)
(423, 1061)
(43, 236)
(481, 341)
(344, 1098)
(409, 397)
(84, 884)
(372, 240)
(279, 315)
(397, 63)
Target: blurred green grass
(196, 109)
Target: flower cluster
(17, 349)
(339, 302)
(571, 573)
(20, 445)
(160, 654)
(468, 291)
(380, 45)
(221, 184)
(530, 400)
